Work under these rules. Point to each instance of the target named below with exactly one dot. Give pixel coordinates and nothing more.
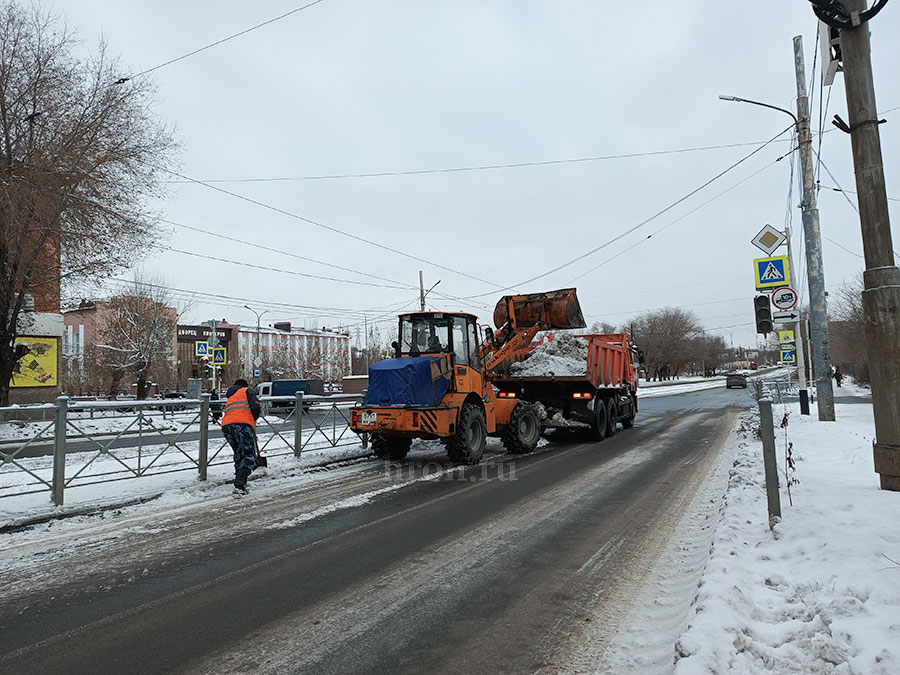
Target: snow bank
(821, 592)
(563, 355)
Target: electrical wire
(680, 218)
(122, 80)
(646, 220)
(482, 167)
(329, 228)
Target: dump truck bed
(607, 365)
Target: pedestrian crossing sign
(771, 272)
(786, 337)
(218, 354)
(788, 356)
(201, 348)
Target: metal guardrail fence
(67, 443)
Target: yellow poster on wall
(36, 366)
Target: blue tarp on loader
(414, 381)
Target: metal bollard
(59, 449)
(767, 431)
(203, 455)
(298, 423)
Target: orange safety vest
(237, 409)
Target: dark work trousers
(240, 438)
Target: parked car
(735, 380)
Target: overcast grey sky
(372, 87)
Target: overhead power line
(643, 222)
(330, 228)
(477, 167)
(218, 42)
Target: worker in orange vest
(239, 429)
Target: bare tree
(137, 337)
(666, 337)
(847, 331)
(79, 153)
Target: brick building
(39, 330)
(81, 369)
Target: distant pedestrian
(239, 429)
(838, 376)
(215, 408)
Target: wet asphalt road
(492, 568)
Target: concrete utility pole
(421, 292)
(881, 297)
(818, 316)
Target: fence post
(767, 431)
(203, 456)
(298, 423)
(59, 449)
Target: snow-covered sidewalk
(819, 593)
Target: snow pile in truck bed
(564, 355)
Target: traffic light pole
(799, 335)
(818, 317)
(881, 297)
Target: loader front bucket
(554, 309)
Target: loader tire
(387, 447)
(379, 446)
(612, 418)
(466, 446)
(599, 424)
(523, 432)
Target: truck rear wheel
(523, 432)
(612, 418)
(467, 444)
(599, 424)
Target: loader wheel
(386, 447)
(380, 446)
(398, 448)
(523, 432)
(612, 420)
(467, 444)
(599, 424)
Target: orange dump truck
(596, 398)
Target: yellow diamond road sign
(771, 272)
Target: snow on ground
(819, 593)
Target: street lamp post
(818, 316)
(258, 317)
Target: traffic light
(763, 311)
(206, 372)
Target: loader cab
(434, 333)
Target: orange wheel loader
(439, 383)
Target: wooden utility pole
(815, 273)
(881, 297)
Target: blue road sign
(201, 348)
(771, 272)
(218, 354)
(788, 356)
(256, 373)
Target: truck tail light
(507, 394)
(581, 394)
(352, 417)
(415, 420)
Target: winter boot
(240, 480)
